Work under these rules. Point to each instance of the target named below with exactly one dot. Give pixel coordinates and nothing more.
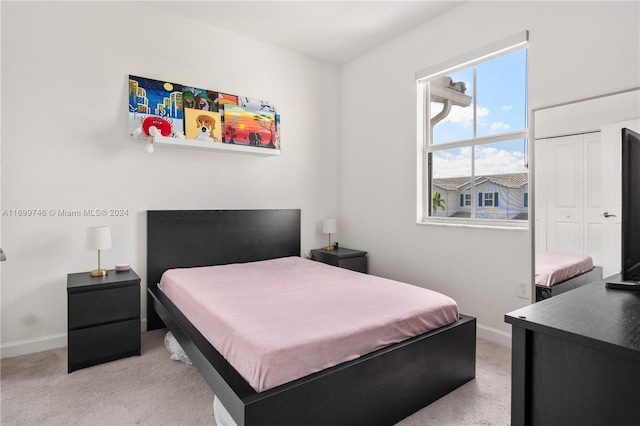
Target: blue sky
(500, 106)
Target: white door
(569, 183)
(612, 194)
(564, 201)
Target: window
(487, 200)
(465, 200)
(473, 133)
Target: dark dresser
(576, 359)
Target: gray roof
(452, 183)
(509, 180)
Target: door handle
(607, 214)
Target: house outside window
(473, 131)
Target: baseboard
(494, 335)
(53, 341)
(28, 346)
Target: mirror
(577, 177)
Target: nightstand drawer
(358, 264)
(89, 308)
(95, 345)
(356, 260)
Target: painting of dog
(202, 125)
(207, 126)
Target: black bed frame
(380, 388)
(543, 292)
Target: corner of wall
(494, 335)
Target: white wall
(65, 143)
(577, 49)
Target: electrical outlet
(523, 290)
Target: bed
(379, 388)
(557, 273)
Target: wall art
(148, 98)
(202, 117)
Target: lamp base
(99, 272)
(329, 248)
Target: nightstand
(356, 260)
(103, 317)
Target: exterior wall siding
(511, 201)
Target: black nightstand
(355, 260)
(103, 317)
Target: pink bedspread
(282, 319)
(553, 268)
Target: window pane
(451, 169)
(502, 180)
(458, 123)
(501, 94)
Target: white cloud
(499, 126)
(452, 163)
(507, 107)
(464, 116)
(489, 161)
(492, 161)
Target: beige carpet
(151, 389)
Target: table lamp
(98, 238)
(329, 227)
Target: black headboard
(187, 238)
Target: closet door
(570, 183)
(565, 189)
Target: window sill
(509, 225)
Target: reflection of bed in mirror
(560, 272)
(577, 181)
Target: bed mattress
(553, 268)
(278, 320)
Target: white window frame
(487, 199)
(423, 78)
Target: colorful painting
(202, 125)
(256, 104)
(226, 99)
(278, 131)
(202, 114)
(148, 97)
(249, 127)
(205, 100)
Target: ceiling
(331, 31)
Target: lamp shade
(98, 237)
(328, 226)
